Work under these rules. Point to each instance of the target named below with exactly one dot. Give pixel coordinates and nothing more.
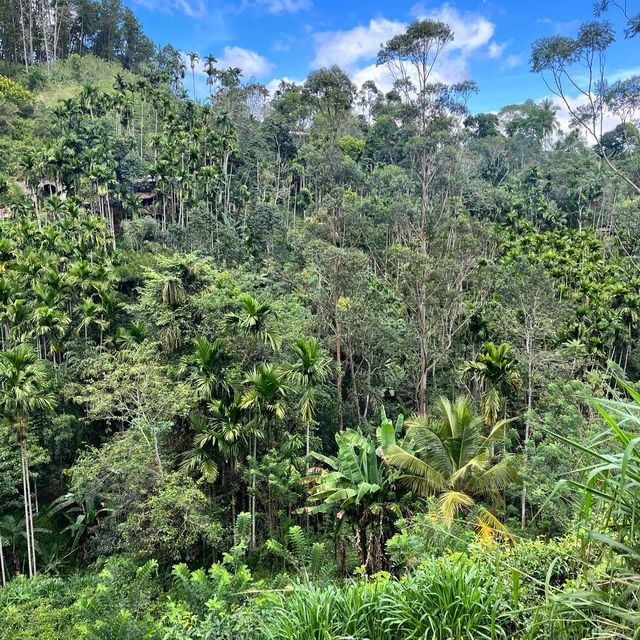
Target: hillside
(328, 363)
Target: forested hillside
(328, 363)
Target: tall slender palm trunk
(28, 510)
(3, 575)
(253, 494)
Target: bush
(41, 608)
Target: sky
(286, 39)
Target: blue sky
(273, 39)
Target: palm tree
(265, 398)
(23, 391)
(194, 58)
(209, 68)
(496, 371)
(91, 314)
(254, 321)
(451, 458)
(359, 487)
(205, 368)
(308, 371)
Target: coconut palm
(450, 457)
(23, 391)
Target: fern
(299, 545)
(242, 530)
(318, 559)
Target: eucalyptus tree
(578, 65)
(410, 58)
(332, 94)
(24, 390)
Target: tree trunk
(253, 494)
(28, 513)
(3, 575)
(339, 373)
(527, 429)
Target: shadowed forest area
(328, 362)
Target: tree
(254, 321)
(309, 370)
(205, 368)
(496, 371)
(578, 65)
(332, 94)
(24, 390)
(210, 70)
(194, 58)
(358, 486)
(448, 456)
(265, 397)
(411, 57)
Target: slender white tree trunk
(28, 513)
(253, 495)
(3, 574)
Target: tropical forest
(347, 357)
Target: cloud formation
(278, 6)
(356, 49)
(191, 8)
(347, 47)
(251, 62)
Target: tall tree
(24, 390)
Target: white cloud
(496, 50)
(357, 48)
(609, 121)
(346, 47)
(471, 30)
(191, 8)
(511, 62)
(274, 85)
(251, 62)
(278, 6)
(564, 117)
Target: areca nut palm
(23, 391)
(254, 320)
(309, 369)
(496, 370)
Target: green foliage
(306, 557)
(208, 291)
(444, 599)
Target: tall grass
(444, 599)
(610, 491)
